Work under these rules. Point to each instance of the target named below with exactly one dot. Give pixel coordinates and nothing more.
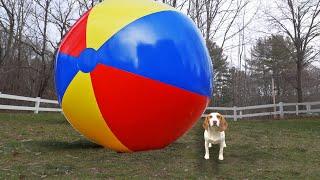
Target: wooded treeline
(30, 32)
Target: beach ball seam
(89, 118)
(110, 10)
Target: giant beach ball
(133, 75)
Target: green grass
(46, 146)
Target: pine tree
(271, 56)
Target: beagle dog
(214, 125)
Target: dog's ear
(223, 123)
(205, 124)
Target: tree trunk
(43, 72)
(299, 82)
(8, 52)
(1, 58)
(174, 3)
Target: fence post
(37, 105)
(241, 114)
(281, 110)
(308, 106)
(297, 110)
(235, 113)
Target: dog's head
(215, 120)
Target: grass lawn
(46, 146)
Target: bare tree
(85, 5)
(7, 23)
(62, 18)
(300, 20)
(172, 3)
(41, 19)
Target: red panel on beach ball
(144, 113)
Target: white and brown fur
(215, 126)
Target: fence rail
(36, 108)
(234, 113)
(237, 112)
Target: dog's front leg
(206, 146)
(222, 145)
(221, 151)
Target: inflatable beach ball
(133, 75)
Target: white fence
(276, 109)
(36, 108)
(235, 112)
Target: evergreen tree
(271, 56)
(221, 74)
